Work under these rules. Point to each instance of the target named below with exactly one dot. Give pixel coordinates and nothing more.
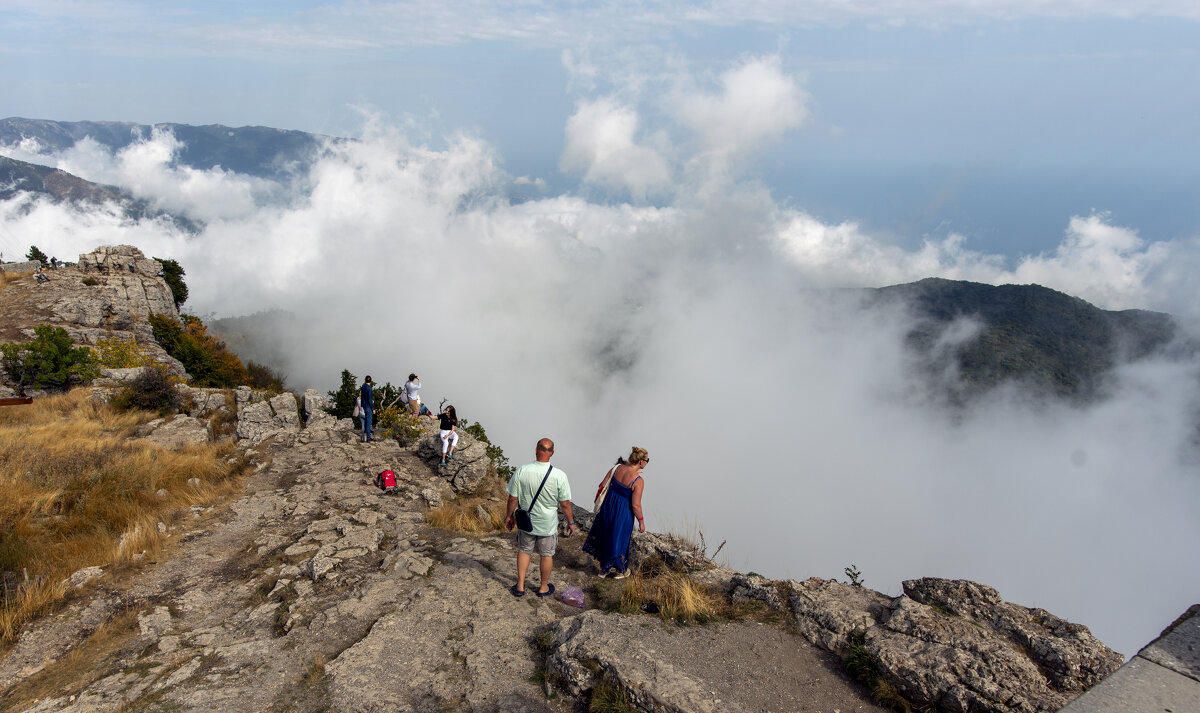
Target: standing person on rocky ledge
(612, 529)
(366, 396)
(540, 489)
(411, 387)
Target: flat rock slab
(1179, 649)
(733, 667)
(1139, 686)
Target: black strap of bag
(521, 516)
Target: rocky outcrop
(111, 292)
(593, 647)
(18, 267)
(177, 432)
(261, 416)
(466, 469)
(955, 645)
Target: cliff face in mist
(1027, 333)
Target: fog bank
(779, 417)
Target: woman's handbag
(521, 516)
(603, 489)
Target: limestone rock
(83, 576)
(178, 432)
(673, 552)
(588, 649)
(1073, 658)
(260, 418)
(468, 466)
(827, 611)
(965, 650)
(753, 587)
(206, 403)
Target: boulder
(177, 432)
(1068, 653)
(260, 418)
(316, 415)
(466, 469)
(961, 649)
(206, 403)
(673, 552)
(588, 649)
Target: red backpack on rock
(385, 480)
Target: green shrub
(264, 377)
(152, 390)
(495, 453)
(119, 353)
(204, 356)
(49, 361)
(400, 424)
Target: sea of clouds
(782, 418)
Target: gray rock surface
(1164, 676)
(962, 648)
(177, 431)
(125, 291)
(315, 591)
(259, 416)
(468, 466)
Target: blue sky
(998, 120)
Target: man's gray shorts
(528, 542)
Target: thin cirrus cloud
(360, 25)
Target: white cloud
(602, 143)
(755, 104)
(783, 419)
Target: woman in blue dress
(612, 529)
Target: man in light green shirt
(543, 513)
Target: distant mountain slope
(1028, 333)
(253, 150)
(18, 177)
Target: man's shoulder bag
(521, 516)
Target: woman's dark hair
(411, 377)
(453, 413)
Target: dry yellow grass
(677, 596)
(462, 513)
(78, 492)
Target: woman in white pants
(449, 422)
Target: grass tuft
(610, 697)
(462, 513)
(677, 595)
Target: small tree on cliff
(344, 398)
(35, 254)
(172, 273)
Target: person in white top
(411, 387)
